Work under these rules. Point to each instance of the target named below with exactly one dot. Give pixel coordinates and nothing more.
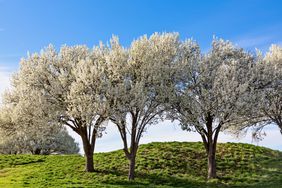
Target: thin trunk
(210, 142)
(210, 147)
(89, 152)
(133, 147)
(130, 152)
(131, 173)
(89, 166)
(131, 156)
(211, 162)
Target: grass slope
(172, 164)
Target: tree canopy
(154, 78)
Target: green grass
(172, 164)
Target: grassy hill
(172, 164)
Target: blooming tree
(156, 77)
(26, 127)
(58, 79)
(270, 98)
(38, 140)
(209, 91)
(139, 78)
(265, 97)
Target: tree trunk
(130, 153)
(210, 143)
(89, 166)
(211, 163)
(37, 151)
(88, 152)
(131, 173)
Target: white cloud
(279, 43)
(253, 41)
(260, 38)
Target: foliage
(52, 88)
(209, 91)
(39, 140)
(155, 77)
(139, 78)
(267, 89)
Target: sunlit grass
(172, 164)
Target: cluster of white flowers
(156, 77)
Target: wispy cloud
(2, 29)
(254, 41)
(260, 38)
(279, 43)
(9, 62)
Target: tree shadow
(150, 180)
(153, 180)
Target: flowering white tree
(59, 80)
(265, 97)
(139, 79)
(209, 92)
(38, 140)
(271, 96)
(26, 127)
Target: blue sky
(31, 25)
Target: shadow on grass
(154, 180)
(149, 180)
(31, 162)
